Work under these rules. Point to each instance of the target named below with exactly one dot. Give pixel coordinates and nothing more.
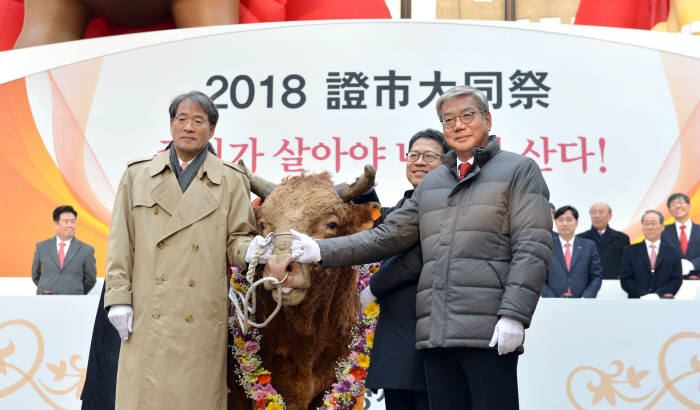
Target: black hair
(61, 210)
(432, 134)
(559, 212)
(676, 196)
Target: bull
(302, 344)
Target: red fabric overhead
(640, 14)
(251, 11)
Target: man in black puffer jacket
(484, 224)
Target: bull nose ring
(286, 275)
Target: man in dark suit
(608, 241)
(396, 365)
(63, 265)
(651, 269)
(683, 235)
(575, 269)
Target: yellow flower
(372, 309)
(363, 360)
(273, 406)
(240, 343)
(374, 269)
(370, 340)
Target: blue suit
(585, 275)
(670, 236)
(635, 270)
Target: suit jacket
(76, 277)
(670, 236)
(396, 364)
(635, 270)
(610, 247)
(584, 278)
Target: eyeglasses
(650, 224)
(466, 117)
(195, 123)
(428, 156)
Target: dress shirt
(563, 245)
(470, 161)
(65, 248)
(656, 245)
(185, 163)
(688, 226)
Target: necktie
(567, 256)
(652, 257)
(463, 168)
(684, 240)
(183, 166)
(61, 253)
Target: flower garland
(350, 371)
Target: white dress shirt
(65, 248)
(470, 161)
(688, 226)
(563, 245)
(656, 248)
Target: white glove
(304, 248)
(366, 297)
(687, 266)
(122, 318)
(253, 247)
(509, 334)
(650, 296)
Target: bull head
(313, 205)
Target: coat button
(161, 245)
(155, 211)
(195, 247)
(159, 280)
(189, 318)
(192, 283)
(156, 314)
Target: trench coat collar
(211, 168)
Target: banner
(615, 354)
(609, 115)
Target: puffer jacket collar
(481, 156)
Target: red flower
(264, 378)
(358, 372)
(260, 404)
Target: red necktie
(61, 253)
(463, 168)
(567, 256)
(683, 240)
(652, 257)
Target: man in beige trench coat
(178, 218)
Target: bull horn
(362, 185)
(258, 185)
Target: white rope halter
(245, 305)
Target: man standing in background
(608, 241)
(63, 265)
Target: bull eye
(332, 225)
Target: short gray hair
(462, 90)
(653, 211)
(200, 99)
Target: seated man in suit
(684, 235)
(651, 269)
(63, 265)
(608, 241)
(575, 270)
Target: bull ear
(258, 185)
(362, 185)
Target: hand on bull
(304, 248)
(122, 318)
(366, 297)
(509, 334)
(253, 247)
